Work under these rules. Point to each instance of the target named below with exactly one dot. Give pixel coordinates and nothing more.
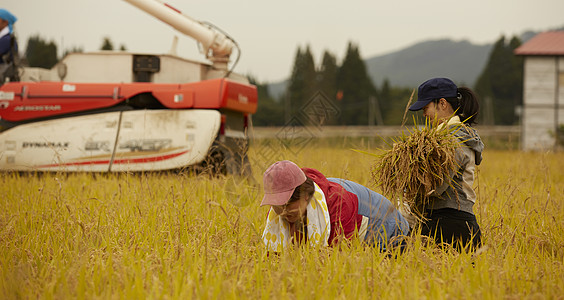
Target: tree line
(360, 102)
(41, 53)
(350, 90)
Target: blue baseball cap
(432, 89)
(6, 15)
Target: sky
(270, 32)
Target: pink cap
(280, 180)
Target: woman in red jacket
(307, 207)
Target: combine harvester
(118, 111)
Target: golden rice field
(167, 236)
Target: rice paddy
(170, 236)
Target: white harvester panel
(164, 139)
(114, 141)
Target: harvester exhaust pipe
(217, 46)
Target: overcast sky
(269, 32)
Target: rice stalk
(407, 108)
(416, 164)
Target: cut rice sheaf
(417, 164)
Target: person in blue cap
(8, 46)
(449, 214)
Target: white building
(543, 91)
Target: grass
(171, 236)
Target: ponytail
(466, 105)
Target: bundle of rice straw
(417, 164)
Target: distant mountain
(461, 61)
(277, 89)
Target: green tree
(303, 83)
(384, 100)
(393, 101)
(501, 83)
(310, 75)
(327, 75)
(398, 100)
(73, 50)
(356, 88)
(327, 82)
(107, 44)
(40, 53)
(515, 94)
(269, 111)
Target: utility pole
(370, 112)
(489, 113)
(287, 107)
(374, 111)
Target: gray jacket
(458, 193)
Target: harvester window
(144, 66)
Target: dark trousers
(457, 228)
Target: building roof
(545, 43)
